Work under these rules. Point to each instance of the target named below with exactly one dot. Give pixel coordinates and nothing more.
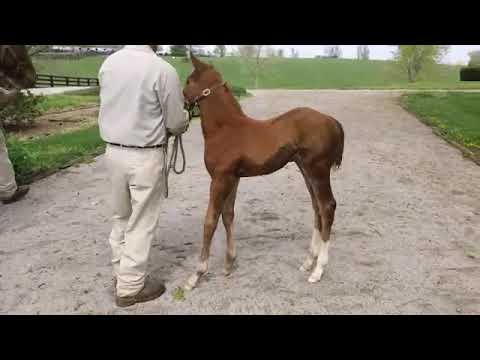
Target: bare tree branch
(255, 56)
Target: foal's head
(204, 76)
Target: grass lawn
(454, 116)
(62, 102)
(42, 156)
(71, 100)
(290, 73)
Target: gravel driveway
(56, 90)
(406, 237)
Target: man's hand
(187, 115)
(187, 118)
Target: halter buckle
(206, 92)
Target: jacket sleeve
(171, 100)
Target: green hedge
(470, 73)
(21, 113)
(239, 91)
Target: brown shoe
(19, 194)
(151, 290)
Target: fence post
(51, 81)
(66, 79)
(78, 81)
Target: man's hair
(154, 47)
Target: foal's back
(259, 147)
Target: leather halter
(207, 92)
(189, 106)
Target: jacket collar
(144, 48)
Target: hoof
(191, 283)
(304, 269)
(188, 287)
(227, 272)
(315, 277)
(307, 265)
(229, 268)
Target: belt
(136, 147)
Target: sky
(458, 54)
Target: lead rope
(178, 143)
(172, 164)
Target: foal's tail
(338, 152)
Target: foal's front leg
(220, 188)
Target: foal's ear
(197, 64)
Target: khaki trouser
(8, 186)
(137, 190)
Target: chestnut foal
(237, 146)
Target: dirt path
(406, 237)
(56, 90)
(60, 121)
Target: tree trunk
(411, 72)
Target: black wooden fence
(44, 80)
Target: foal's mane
(234, 100)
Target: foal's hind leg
(228, 214)
(220, 188)
(327, 206)
(313, 250)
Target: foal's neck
(218, 110)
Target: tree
(255, 59)
(195, 49)
(474, 58)
(270, 51)
(220, 50)
(333, 51)
(414, 59)
(363, 52)
(280, 53)
(293, 53)
(178, 50)
(247, 51)
(233, 51)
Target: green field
(45, 155)
(72, 100)
(289, 73)
(454, 116)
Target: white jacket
(139, 92)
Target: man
(16, 72)
(141, 101)
(9, 191)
